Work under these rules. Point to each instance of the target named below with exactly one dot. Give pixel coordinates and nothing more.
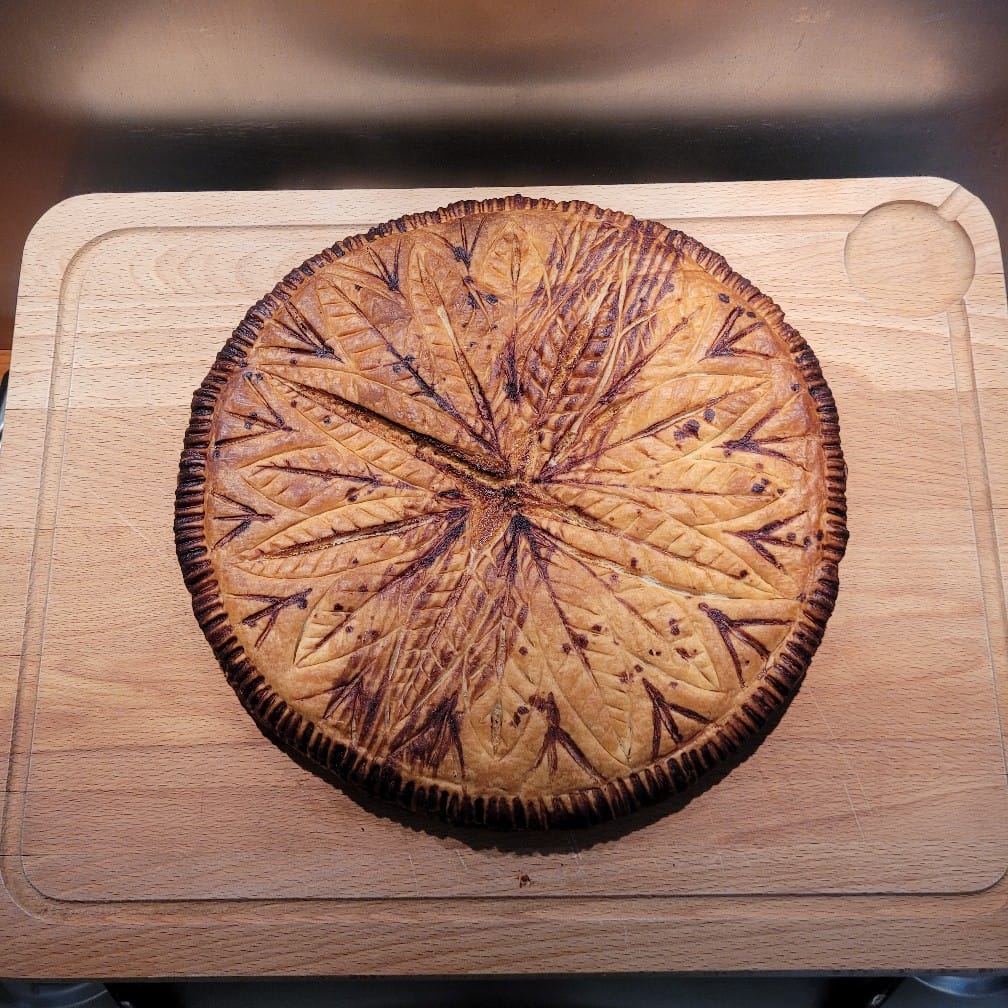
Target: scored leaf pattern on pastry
(517, 500)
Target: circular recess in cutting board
(906, 257)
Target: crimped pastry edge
(756, 708)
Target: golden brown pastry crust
(524, 513)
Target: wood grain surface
(149, 828)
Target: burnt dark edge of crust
(742, 728)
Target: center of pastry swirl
(494, 508)
(511, 513)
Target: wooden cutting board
(150, 829)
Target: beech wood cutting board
(149, 828)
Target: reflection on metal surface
(79, 994)
(320, 61)
(524, 42)
(975, 985)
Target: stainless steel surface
(598, 991)
(445, 60)
(177, 94)
(83, 994)
(984, 985)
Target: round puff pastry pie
(522, 513)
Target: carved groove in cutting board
(560, 869)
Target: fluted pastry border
(756, 708)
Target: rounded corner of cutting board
(84, 222)
(68, 213)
